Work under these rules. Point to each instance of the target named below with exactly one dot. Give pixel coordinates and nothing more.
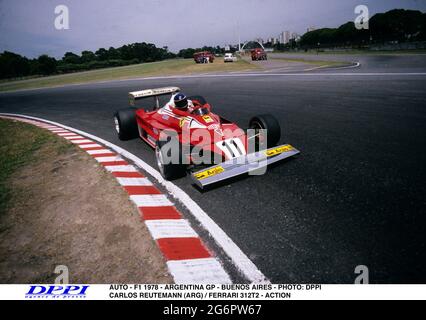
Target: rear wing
(136, 95)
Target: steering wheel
(197, 110)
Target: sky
(27, 26)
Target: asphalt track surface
(356, 194)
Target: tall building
(286, 37)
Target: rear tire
(169, 171)
(125, 124)
(269, 123)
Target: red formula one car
(201, 57)
(187, 140)
(258, 54)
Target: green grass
(163, 68)
(19, 143)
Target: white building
(285, 36)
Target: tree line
(188, 53)
(13, 65)
(395, 25)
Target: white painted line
(123, 168)
(240, 74)
(155, 200)
(316, 68)
(99, 151)
(109, 159)
(134, 182)
(280, 69)
(238, 258)
(341, 74)
(87, 146)
(356, 65)
(206, 271)
(261, 74)
(81, 141)
(178, 228)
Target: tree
(87, 56)
(422, 33)
(47, 65)
(187, 53)
(394, 25)
(102, 54)
(218, 50)
(397, 25)
(72, 58)
(13, 65)
(113, 53)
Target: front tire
(125, 124)
(169, 171)
(270, 123)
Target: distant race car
(258, 54)
(203, 57)
(201, 134)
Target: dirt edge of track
(58, 215)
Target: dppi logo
(50, 291)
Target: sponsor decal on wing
(209, 173)
(279, 150)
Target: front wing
(254, 163)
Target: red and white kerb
(188, 259)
